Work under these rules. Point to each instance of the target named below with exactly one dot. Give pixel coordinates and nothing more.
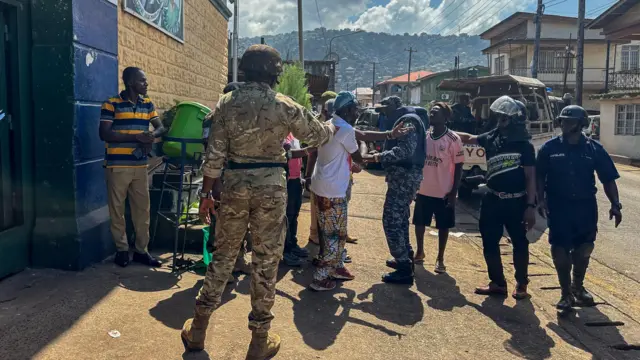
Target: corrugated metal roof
(469, 85)
(414, 76)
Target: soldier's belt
(232, 165)
(504, 195)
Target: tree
(293, 83)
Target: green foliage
(168, 115)
(293, 83)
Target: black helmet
(261, 59)
(575, 112)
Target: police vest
(420, 154)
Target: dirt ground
(48, 314)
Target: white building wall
(415, 95)
(564, 30)
(624, 145)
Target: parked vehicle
(484, 91)
(593, 131)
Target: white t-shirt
(331, 175)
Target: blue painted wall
(75, 69)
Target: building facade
(64, 58)
(401, 86)
(429, 84)
(620, 103)
(512, 46)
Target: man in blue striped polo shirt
(124, 127)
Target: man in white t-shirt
(329, 184)
(439, 187)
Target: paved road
(620, 248)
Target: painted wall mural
(166, 15)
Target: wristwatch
(204, 194)
(533, 206)
(617, 205)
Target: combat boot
(392, 263)
(581, 257)
(402, 275)
(566, 303)
(194, 331)
(263, 346)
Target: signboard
(165, 15)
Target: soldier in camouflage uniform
(248, 126)
(403, 160)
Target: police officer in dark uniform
(510, 200)
(565, 170)
(403, 160)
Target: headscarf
(391, 100)
(344, 99)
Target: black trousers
(495, 215)
(294, 202)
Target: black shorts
(427, 207)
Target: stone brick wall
(194, 71)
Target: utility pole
(580, 55)
(536, 48)
(373, 81)
(567, 58)
(234, 51)
(411, 51)
(300, 34)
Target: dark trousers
(495, 215)
(294, 202)
(567, 259)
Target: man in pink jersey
(439, 187)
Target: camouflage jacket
(248, 126)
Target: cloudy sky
(267, 17)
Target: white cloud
(266, 17)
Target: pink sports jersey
(443, 153)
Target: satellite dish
(332, 57)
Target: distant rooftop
(414, 76)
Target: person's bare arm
(300, 153)
(468, 139)
(611, 190)
(159, 129)
(108, 135)
(397, 132)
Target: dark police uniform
(505, 203)
(568, 171)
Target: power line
(324, 35)
(467, 21)
(555, 3)
(600, 8)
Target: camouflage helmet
(261, 59)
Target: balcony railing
(555, 76)
(627, 80)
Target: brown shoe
(520, 292)
(492, 289)
(194, 331)
(342, 274)
(323, 285)
(352, 240)
(263, 346)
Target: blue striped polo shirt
(127, 118)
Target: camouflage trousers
(332, 227)
(402, 185)
(263, 208)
